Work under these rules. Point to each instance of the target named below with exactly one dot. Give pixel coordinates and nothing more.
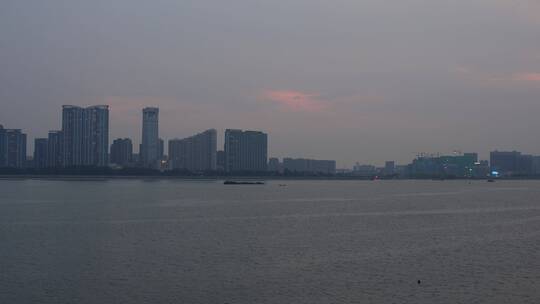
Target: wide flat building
(195, 153)
(458, 165)
(511, 163)
(85, 136)
(122, 151)
(430, 166)
(150, 145)
(246, 151)
(304, 165)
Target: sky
(353, 80)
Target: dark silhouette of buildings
(85, 136)
(455, 166)
(40, 152)
(161, 149)
(55, 148)
(220, 160)
(274, 165)
(96, 136)
(196, 153)
(83, 142)
(511, 163)
(389, 168)
(122, 152)
(12, 148)
(3, 147)
(309, 165)
(72, 125)
(150, 146)
(245, 151)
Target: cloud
(487, 78)
(526, 77)
(298, 101)
(295, 101)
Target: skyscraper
(220, 160)
(195, 153)
(96, 136)
(161, 149)
(13, 143)
(149, 151)
(245, 151)
(85, 135)
(54, 149)
(505, 163)
(122, 151)
(40, 153)
(3, 147)
(72, 130)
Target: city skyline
(92, 122)
(83, 144)
(351, 80)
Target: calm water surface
(170, 241)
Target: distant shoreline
(234, 178)
(157, 177)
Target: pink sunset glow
(530, 77)
(295, 101)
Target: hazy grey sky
(350, 80)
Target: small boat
(490, 180)
(229, 182)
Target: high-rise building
(122, 151)
(40, 153)
(13, 150)
(72, 130)
(526, 164)
(161, 149)
(505, 163)
(220, 160)
(245, 151)
(96, 136)
(149, 148)
(3, 147)
(85, 135)
(195, 153)
(55, 149)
